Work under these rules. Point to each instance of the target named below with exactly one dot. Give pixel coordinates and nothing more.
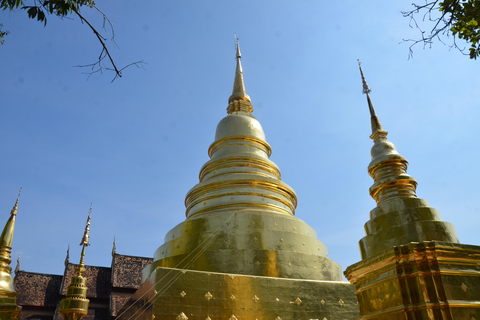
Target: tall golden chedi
(8, 296)
(75, 305)
(241, 253)
(413, 266)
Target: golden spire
(400, 217)
(7, 235)
(239, 94)
(8, 296)
(239, 154)
(67, 258)
(86, 238)
(377, 130)
(84, 243)
(75, 305)
(387, 168)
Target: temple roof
(37, 289)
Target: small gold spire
(114, 249)
(377, 129)
(67, 258)
(238, 85)
(86, 238)
(75, 305)
(17, 267)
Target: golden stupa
(241, 253)
(413, 266)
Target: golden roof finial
(75, 305)
(114, 249)
(67, 258)
(86, 234)
(85, 243)
(17, 267)
(238, 85)
(377, 129)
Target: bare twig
(102, 41)
(105, 18)
(97, 67)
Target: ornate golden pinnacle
(86, 238)
(238, 92)
(366, 88)
(377, 129)
(15, 207)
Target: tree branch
(101, 39)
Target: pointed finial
(85, 242)
(238, 85)
(75, 305)
(114, 249)
(67, 258)
(86, 238)
(7, 289)
(17, 268)
(7, 235)
(15, 207)
(238, 54)
(366, 88)
(377, 129)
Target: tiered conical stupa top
(238, 85)
(75, 305)
(240, 216)
(400, 217)
(8, 295)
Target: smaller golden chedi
(8, 295)
(400, 217)
(75, 305)
(413, 266)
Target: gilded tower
(413, 266)
(75, 305)
(8, 295)
(241, 253)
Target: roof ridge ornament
(67, 258)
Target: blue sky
(134, 147)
